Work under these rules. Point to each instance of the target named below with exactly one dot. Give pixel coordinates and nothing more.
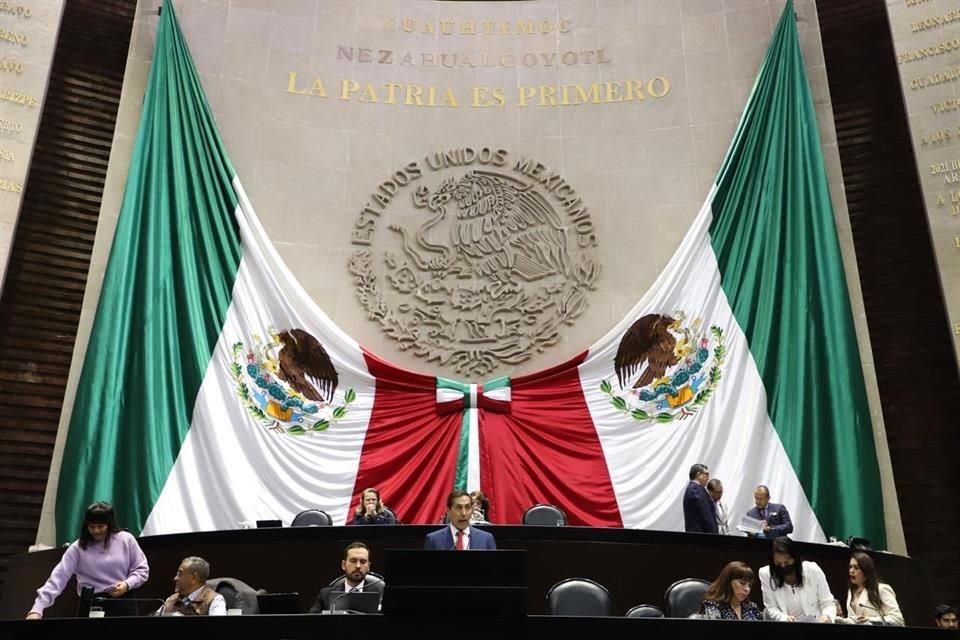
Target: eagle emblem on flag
(666, 367)
(287, 382)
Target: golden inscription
(476, 27)
(952, 198)
(956, 241)
(17, 10)
(9, 65)
(414, 95)
(18, 98)
(368, 55)
(938, 168)
(928, 52)
(956, 329)
(935, 21)
(10, 185)
(933, 79)
(11, 125)
(950, 104)
(937, 137)
(913, 3)
(6, 155)
(14, 37)
(599, 92)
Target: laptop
(356, 602)
(279, 602)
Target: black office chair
(237, 594)
(645, 611)
(312, 518)
(545, 515)
(579, 597)
(685, 597)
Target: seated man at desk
(193, 597)
(458, 534)
(355, 566)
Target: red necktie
(459, 545)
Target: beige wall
(926, 37)
(310, 164)
(28, 35)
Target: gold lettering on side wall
(11, 66)
(10, 185)
(14, 37)
(6, 155)
(17, 10)
(448, 27)
(956, 329)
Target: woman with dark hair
(371, 509)
(794, 589)
(104, 558)
(870, 601)
(481, 507)
(728, 597)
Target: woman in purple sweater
(104, 558)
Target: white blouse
(889, 613)
(812, 598)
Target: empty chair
(578, 597)
(645, 611)
(312, 518)
(684, 597)
(236, 593)
(545, 515)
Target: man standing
(774, 518)
(193, 597)
(458, 534)
(355, 566)
(699, 515)
(715, 489)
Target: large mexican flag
(214, 390)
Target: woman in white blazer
(870, 601)
(794, 589)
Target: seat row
(585, 597)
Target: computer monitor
(357, 602)
(279, 602)
(490, 582)
(269, 524)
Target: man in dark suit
(699, 514)
(355, 566)
(458, 534)
(774, 517)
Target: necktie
(459, 545)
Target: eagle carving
(648, 340)
(306, 367)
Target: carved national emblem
(666, 368)
(480, 274)
(287, 382)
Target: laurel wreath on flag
(702, 397)
(299, 428)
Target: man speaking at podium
(458, 534)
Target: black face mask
(786, 571)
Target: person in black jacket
(356, 567)
(699, 514)
(371, 509)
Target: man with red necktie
(458, 534)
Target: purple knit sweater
(97, 566)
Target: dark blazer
(699, 515)
(384, 517)
(777, 517)
(442, 539)
(327, 594)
